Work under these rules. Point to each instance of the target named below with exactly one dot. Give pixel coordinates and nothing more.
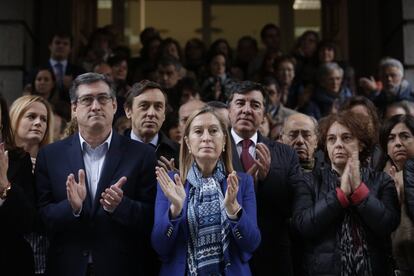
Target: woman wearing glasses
(205, 217)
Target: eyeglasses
(87, 100)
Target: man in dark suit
(60, 47)
(96, 190)
(276, 170)
(145, 106)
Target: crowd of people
(207, 161)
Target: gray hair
(391, 62)
(327, 68)
(89, 78)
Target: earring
(224, 148)
(189, 150)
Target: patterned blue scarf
(207, 250)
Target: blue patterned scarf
(207, 250)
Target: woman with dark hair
(195, 56)
(292, 92)
(17, 210)
(347, 211)
(397, 143)
(305, 55)
(205, 217)
(214, 87)
(171, 47)
(221, 45)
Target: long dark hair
(6, 131)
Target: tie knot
(246, 143)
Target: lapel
(236, 159)
(74, 153)
(112, 159)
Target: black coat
(17, 215)
(409, 187)
(165, 147)
(318, 216)
(274, 199)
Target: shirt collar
(238, 139)
(154, 140)
(84, 144)
(53, 62)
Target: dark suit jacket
(170, 237)
(166, 147)
(17, 215)
(114, 239)
(72, 70)
(274, 202)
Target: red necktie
(245, 157)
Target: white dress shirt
(154, 140)
(53, 63)
(237, 140)
(94, 159)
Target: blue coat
(114, 240)
(170, 237)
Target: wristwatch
(3, 195)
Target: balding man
(300, 132)
(186, 109)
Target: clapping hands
(175, 192)
(351, 177)
(230, 199)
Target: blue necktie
(60, 74)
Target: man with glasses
(299, 132)
(96, 190)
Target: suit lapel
(112, 159)
(74, 153)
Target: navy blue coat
(170, 237)
(113, 239)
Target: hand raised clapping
(76, 192)
(230, 199)
(4, 167)
(351, 177)
(113, 195)
(175, 192)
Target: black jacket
(166, 147)
(274, 199)
(409, 187)
(318, 215)
(17, 216)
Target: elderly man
(95, 192)
(394, 87)
(276, 169)
(145, 106)
(299, 132)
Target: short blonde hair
(186, 159)
(21, 105)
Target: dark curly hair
(359, 127)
